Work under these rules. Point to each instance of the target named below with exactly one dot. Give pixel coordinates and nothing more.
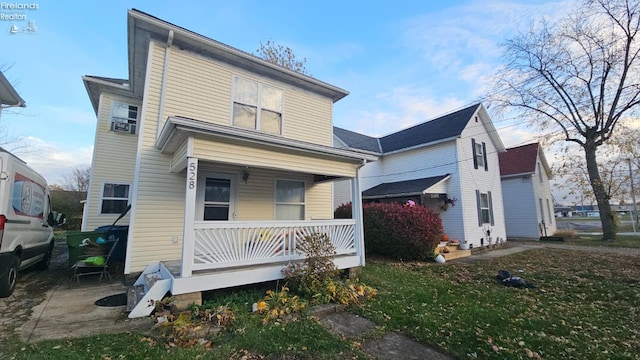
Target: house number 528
(191, 176)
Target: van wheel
(8, 279)
(44, 263)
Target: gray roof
(9, 95)
(402, 188)
(444, 127)
(356, 140)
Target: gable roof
(444, 128)
(142, 27)
(521, 160)
(9, 95)
(356, 140)
(403, 188)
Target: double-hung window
(485, 208)
(115, 198)
(257, 106)
(290, 201)
(124, 117)
(479, 155)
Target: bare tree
(612, 164)
(283, 56)
(77, 180)
(577, 79)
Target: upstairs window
(479, 155)
(257, 106)
(124, 118)
(115, 198)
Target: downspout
(356, 211)
(165, 71)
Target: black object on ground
(551, 238)
(113, 300)
(505, 278)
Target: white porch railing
(237, 243)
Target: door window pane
(217, 199)
(216, 213)
(217, 190)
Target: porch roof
(9, 95)
(404, 188)
(176, 129)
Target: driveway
(31, 289)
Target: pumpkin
(444, 237)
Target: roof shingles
(519, 160)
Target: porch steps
(151, 286)
(454, 251)
(135, 293)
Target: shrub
(318, 279)
(401, 232)
(311, 277)
(568, 234)
(343, 211)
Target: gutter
(163, 85)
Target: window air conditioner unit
(123, 125)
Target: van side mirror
(61, 219)
(56, 219)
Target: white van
(26, 220)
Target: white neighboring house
(451, 159)
(9, 97)
(528, 204)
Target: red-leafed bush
(396, 231)
(343, 211)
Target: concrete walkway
(388, 346)
(72, 313)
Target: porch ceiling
(177, 129)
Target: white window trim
(102, 197)
(275, 196)
(233, 196)
(112, 116)
(489, 207)
(539, 166)
(258, 106)
(479, 155)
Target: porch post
(356, 214)
(188, 233)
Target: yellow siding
(114, 161)
(232, 153)
(159, 210)
(200, 88)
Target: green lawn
(585, 306)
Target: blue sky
(403, 62)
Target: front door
(216, 197)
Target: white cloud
(52, 160)
(400, 108)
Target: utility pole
(633, 194)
